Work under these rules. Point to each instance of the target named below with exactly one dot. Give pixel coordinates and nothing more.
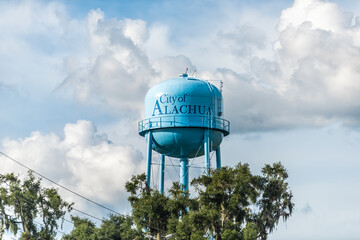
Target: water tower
(183, 119)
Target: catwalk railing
(184, 121)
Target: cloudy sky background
(74, 75)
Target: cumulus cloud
(118, 72)
(81, 159)
(313, 79)
(322, 14)
(34, 38)
(170, 67)
(242, 40)
(23, 18)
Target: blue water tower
(183, 119)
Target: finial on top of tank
(184, 75)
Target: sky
(74, 74)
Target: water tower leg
(184, 173)
(207, 152)
(149, 156)
(162, 170)
(218, 158)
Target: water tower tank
(183, 119)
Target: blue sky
(74, 75)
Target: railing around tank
(184, 121)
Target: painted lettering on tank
(157, 108)
(182, 107)
(167, 98)
(172, 104)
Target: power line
(41, 224)
(73, 192)
(177, 165)
(87, 214)
(75, 209)
(63, 218)
(68, 221)
(56, 230)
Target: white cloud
(23, 18)
(82, 160)
(118, 72)
(34, 38)
(312, 80)
(158, 44)
(323, 15)
(136, 30)
(302, 85)
(243, 40)
(171, 67)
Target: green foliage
(21, 202)
(84, 229)
(227, 197)
(232, 203)
(275, 202)
(116, 227)
(157, 213)
(240, 205)
(250, 232)
(149, 207)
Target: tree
(239, 205)
(275, 202)
(157, 213)
(7, 221)
(116, 227)
(149, 207)
(232, 204)
(24, 201)
(84, 229)
(225, 199)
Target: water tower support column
(184, 173)
(149, 156)
(207, 152)
(162, 170)
(218, 158)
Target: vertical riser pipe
(218, 158)
(149, 156)
(184, 173)
(162, 172)
(207, 152)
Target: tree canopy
(116, 227)
(229, 204)
(22, 202)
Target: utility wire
(177, 165)
(80, 211)
(87, 214)
(41, 224)
(63, 218)
(56, 230)
(73, 192)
